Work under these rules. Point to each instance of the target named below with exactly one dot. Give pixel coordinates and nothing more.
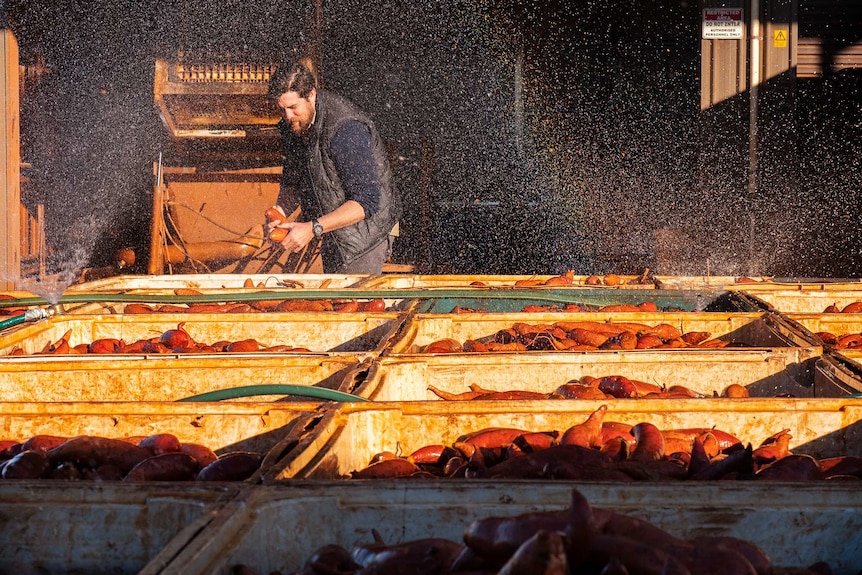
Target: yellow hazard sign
(779, 38)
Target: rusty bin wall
(665, 300)
(412, 281)
(339, 343)
(103, 304)
(838, 324)
(279, 529)
(761, 284)
(764, 373)
(154, 378)
(346, 439)
(167, 283)
(805, 301)
(62, 527)
(221, 427)
(753, 330)
(701, 282)
(349, 333)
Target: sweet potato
(377, 304)
(274, 214)
(43, 442)
(387, 469)
(277, 235)
(588, 433)
(432, 455)
(588, 337)
(446, 345)
(202, 454)
(138, 308)
(159, 443)
(164, 467)
(650, 443)
(496, 537)
(93, 451)
(855, 307)
(243, 346)
(234, 466)
(492, 437)
(26, 465)
(176, 338)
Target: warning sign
(779, 38)
(723, 24)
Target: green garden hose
(34, 314)
(275, 389)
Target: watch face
(318, 229)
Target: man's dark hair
(291, 77)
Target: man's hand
(274, 215)
(297, 235)
(274, 218)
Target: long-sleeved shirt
(351, 152)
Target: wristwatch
(317, 228)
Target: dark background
(563, 135)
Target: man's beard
(299, 128)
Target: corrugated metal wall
(830, 37)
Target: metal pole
(317, 41)
(755, 40)
(157, 239)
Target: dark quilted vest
(328, 191)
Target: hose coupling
(37, 313)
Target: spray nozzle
(39, 313)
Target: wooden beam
(10, 158)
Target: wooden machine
(221, 172)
